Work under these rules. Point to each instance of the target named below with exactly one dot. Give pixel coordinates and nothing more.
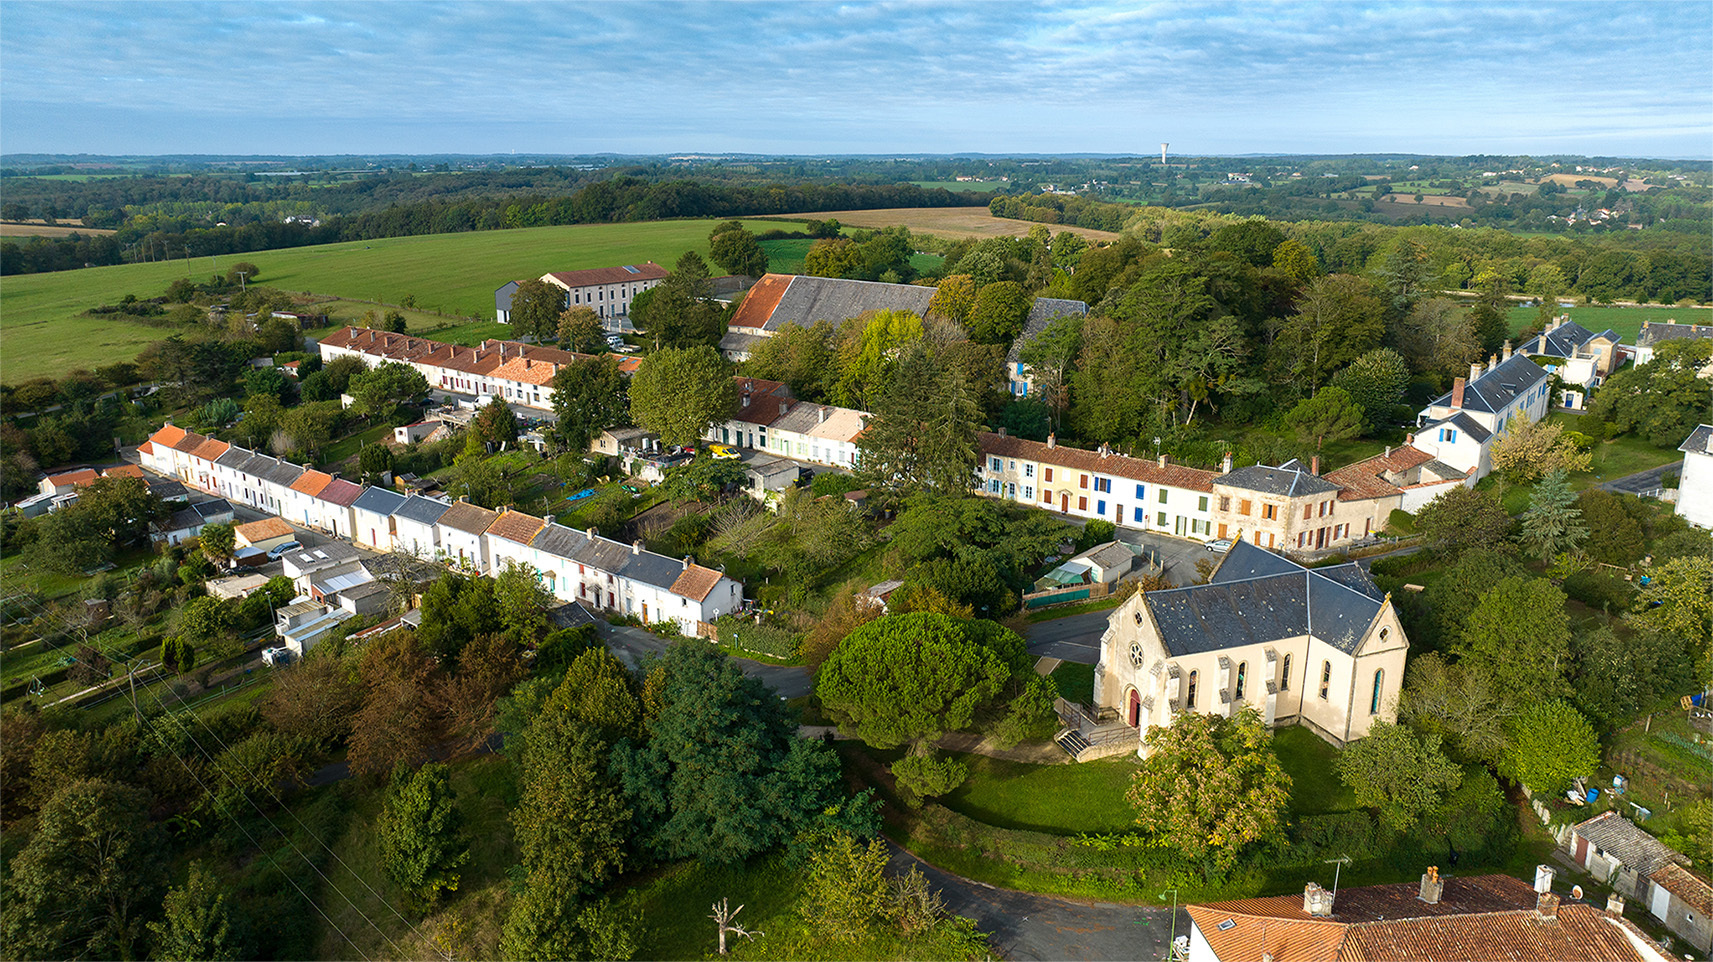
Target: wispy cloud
(870, 77)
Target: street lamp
(1173, 943)
(242, 287)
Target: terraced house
(520, 373)
(608, 291)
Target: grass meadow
(1625, 321)
(42, 331)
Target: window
(1325, 678)
(1323, 508)
(993, 486)
(1140, 516)
(1308, 511)
(1190, 696)
(1374, 701)
(1047, 474)
(1448, 435)
(1011, 490)
(1242, 676)
(1103, 485)
(1139, 493)
(1082, 504)
(1160, 519)
(1269, 512)
(1225, 502)
(1082, 482)
(1011, 465)
(993, 464)
(1243, 507)
(1162, 495)
(1202, 504)
(1028, 470)
(1285, 674)
(1028, 492)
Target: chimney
(636, 547)
(1388, 452)
(1543, 878)
(1615, 906)
(1105, 451)
(1225, 465)
(1314, 465)
(1671, 320)
(1163, 459)
(1051, 440)
(688, 561)
(528, 363)
(823, 412)
(1457, 387)
(1546, 907)
(1475, 371)
(1316, 900)
(589, 533)
(1002, 431)
(1432, 886)
(1492, 361)
(1409, 439)
(1507, 354)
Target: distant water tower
(1163, 154)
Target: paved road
(632, 645)
(1025, 926)
(1641, 481)
(1076, 638)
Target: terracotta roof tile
(1581, 933)
(516, 526)
(608, 275)
(527, 370)
(1116, 465)
(263, 530)
(168, 436)
(147, 447)
(211, 450)
(759, 303)
(695, 582)
(471, 518)
(761, 402)
(78, 478)
(311, 482)
(340, 492)
(190, 442)
(1680, 882)
(123, 471)
(1249, 937)
(1362, 481)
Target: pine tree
(1553, 523)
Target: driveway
(633, 645)
(1074, 638)
(1641, 481)
(1022, 925)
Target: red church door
(1135, 709)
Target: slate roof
(195, 515)
(559, 541)
(600, 553)
(803, 300)
(467, 517)
(1561, 341)
(167, 489)
(341, 492)
(1495, 389)
(1042, 313)
(1077, 459)
(421, 510)
(1254, 602)
(233, 457)
(1464, 423)
(282, 473)
(1618, 835)
(653, 569)
(694, 582)
(1113, 554)
(1291, 479)
(331, 552)
(379, 501)
(1700, 441)
(1652, 334)
(738, 342)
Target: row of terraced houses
(573, 565)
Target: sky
(804, 77)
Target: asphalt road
(1022, 925)
(632, 645)
(1641, 481)
(1075, 638)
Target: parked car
(723, 452)
(277, 550)
(1222, 545)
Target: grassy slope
(1059, 799)
(1625, 321)
(448, 273)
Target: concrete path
(1024, 926)
(1641, 480)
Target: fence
(1068, 594)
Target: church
(1319, 647)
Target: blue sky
(1626, 79)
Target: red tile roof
(1677, 880)
(759, 303)
(78, 478)
(147, 447)
(527, 370)
(341, 492)
(210, 449)
(1115, 465)
(695, 582)
(190, 442)
(263, 530)
(168, 435)
(516, 526)
(761, 402)
(1580, 932)
(608, 275)
(123, 471)
(1362, 481)
(312, 482)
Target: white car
(1221, 546)
(276, 551)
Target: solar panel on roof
(631, 270)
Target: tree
(420, 834)
(1048, 357)
(199, 923)
(679, 393)
(1329, 415)
(311, 427)
(267, 380)
(1338, 321)
(375, 459)
(121, 508)
(468, 700)
(1457, 703)
(178, 655)
(1293, 259)
(1375, 381)
(1520, 632)
(1553, 524)
(208, 620)
(1615, 537)
(1210, 785)
(723, 775)
(736, 250)
(396, 724)
(588, 398)
(954, 298)
(1533, 449)
(703, 479)
(380, 390)
(1662, 400)
(998, 313)
(522, 602)
(536, 306)
(1463, 518)
(597, 691)
(925, 773)
(1437, 335)
(868, 355)
(802, 357)
(571, 820)
(922, 434)
(1679, 599)
(846, 895)
(83, 884)
(580, 330)
(1550, 743)
(1403, 775)
(1616, 679)
(314, 699)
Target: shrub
(1600, 591)
(763, 639)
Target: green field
(963, 186)
(1625, 321)
(43, 333)
(786, 256)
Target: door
(645, 612)
(1581, 850)
(1135, 709)
(1065, 503)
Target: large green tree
(1553, 524)
(1662, 400)
(922, 433)
(1048, 357)
(1211, 786)
(679, 393)
(589, 397)
(1549, 744)
(1463, 518)
(1328, 416)
(536, 306)
(580, 330)
(736, 250)
(998, 313)
(1403, 775)
(421, 836)
(1520, 632)
(200, 922)
(1338, 320)
(1460, 704)
(1376, 382)
(380, 390)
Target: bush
(763, 639)
(1600, 591)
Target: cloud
(855, 77)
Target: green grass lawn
(448, 273)
(786, 256)
(1315, 787)
(1058, 799)
(963, 186)
(1075, 681)
(1625, 321)
(347, 447)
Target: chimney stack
(636, 547)
(688, 561)
(1163, 459)
(1432, 886)
(1409, 439)
(1457, 387)
(1492, 361)
(1546, 907)
(1314, 465)
(1507, 355)
(1615, 906)
(1475, 371)
(1002, 430)
(1051, 441)
(1225, 465)
(1316, 900)
(590, 533)
(1543, 878)
(823, 412)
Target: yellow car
(723, 452)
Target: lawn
(1075, 681)
(1057, 799)
(1053, 614)
(786, 256)
(447, 273)
(1625, 321)
(1315, 787)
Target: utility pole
(1341, 862)
(242, 286)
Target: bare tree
(723, 919)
